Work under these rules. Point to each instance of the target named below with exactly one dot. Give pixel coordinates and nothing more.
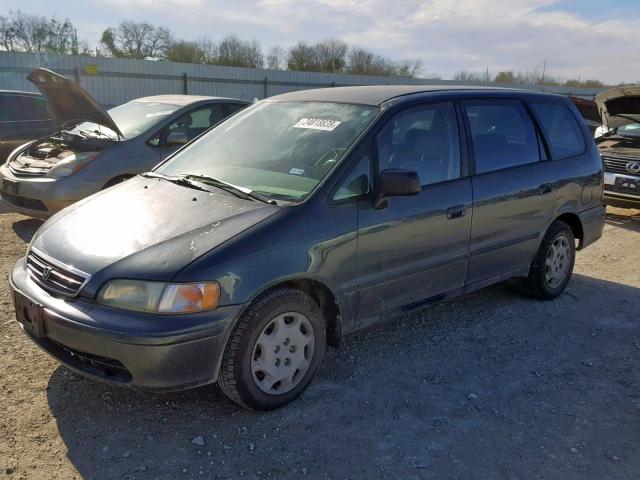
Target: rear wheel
(552, 266)
(274, 350)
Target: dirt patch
(488, 386)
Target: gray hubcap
(558, 261)
(282, 353)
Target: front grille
(54, 276)
(23, 202)
(29, 170)
(616, 164)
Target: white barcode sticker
(318, 124)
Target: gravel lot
(489, 386)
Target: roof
(183, 100)
(372, 94)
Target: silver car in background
(95, 149)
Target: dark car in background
(303, 218)
(23, 117)
(94, 149)
(620, 145)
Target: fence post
(185, 89)
(266, 84)
(77, 74)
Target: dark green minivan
(303, 218)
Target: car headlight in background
(71, 164)
(159, 297)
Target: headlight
(71, 164)
(159, 297)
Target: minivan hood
(68, 102)
(619, 106)
(145, 228)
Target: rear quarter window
(561, 128)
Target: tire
(548, 278)
(270, 333)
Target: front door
(416, 248)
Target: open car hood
(619, 106)
(68, 103)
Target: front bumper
(617, 197)
(146, 351)
(41, 197)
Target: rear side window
(561, 128)
(503, 135)
(22, 107)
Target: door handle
(545, 188)
(455, 212)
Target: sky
(573, 38)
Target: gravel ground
(488, 386)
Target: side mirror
(396, 182)
(177, 138)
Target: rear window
(502, 133)
(561, 128)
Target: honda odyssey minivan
(303, 218)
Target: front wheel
(552, 266)
(274, 350)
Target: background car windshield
(132, 118)
(282, 149)
(633, 129)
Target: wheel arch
(575, 224)
(322, 294)
(118, 179)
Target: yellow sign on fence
(91, 69)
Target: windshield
(280, 149)
(632, 130)
(132, 118)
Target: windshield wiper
(241, 192)
(180, 180)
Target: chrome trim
(615, 194)
(62, 266)
(610, 178)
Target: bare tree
(364, 62)
(22, 32)
(234, 52)
(186, 52)
(408, 68)
(302, 56)
(276, 58)
(330, 55)
(208, 49)
(8, 37)
(137, 40)
(467, 76)
(505, 76)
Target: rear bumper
(592, 225)
(90, 339)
